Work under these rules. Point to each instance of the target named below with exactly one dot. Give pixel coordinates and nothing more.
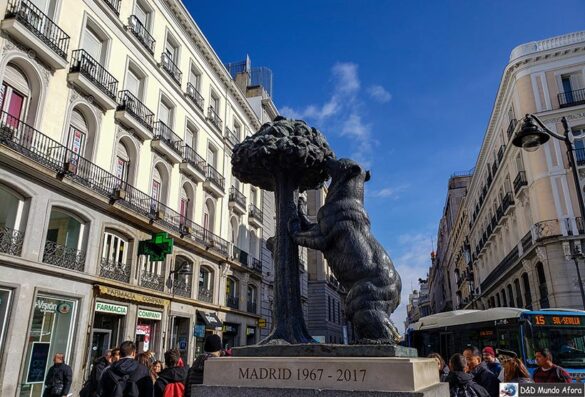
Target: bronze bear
(357, 259)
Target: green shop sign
(111, 308)
(149, 314)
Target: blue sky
(406, 88)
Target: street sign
(157, 248)
(262, 323)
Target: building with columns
(117, 123)
(518, 232)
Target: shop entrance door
(100, 342)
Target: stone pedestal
(326, 376)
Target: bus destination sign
(558, 321)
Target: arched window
(233, 230)
(511, 296)
(251, 298)
(504, 300)
(498, 302)
(253, 244)
(160, 183)
(182, 281)
(126, 159)
(527, 293)
(519, 302)
(542, 288)
(81, 135)
(231, 293)
(209, 215)
(205, 284)
(65, 240)
(186, 202)
(20, 93)
(13, 212)
(115, 262)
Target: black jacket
(195, 375)
(484, 377)
(461, 380)
(58, 373)
(97, 370)
(169, 375)
(137, 372)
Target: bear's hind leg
(374, 327)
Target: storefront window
(230, 335)
(180, 336)
(205, 325)
(5, 303)
(107, 329)
(250, 335)
(51, 331)
(148, 330)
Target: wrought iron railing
(215, 177)
(40, 25)
(255, 212)
(129, 103)
(571, 98)
(141, 33)
(182, 288)
(574, 230)
(511, 127)
(520, 181)
(256, 265)
(195, 96)
(169, 66)
(251, 306)
(240, 255)
(11, 241)
(90, 68)
(62, 256)
(205, 295)
(507, 201)
(165, 134)
(231, 136)
(232, 301)
(237, 197)
(115, 270)
(152, 281)
(114, 5)
(526, 242)
(580, 156)
(192, 157)
(501, 153)
(38, 147)
(213, 117)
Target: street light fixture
(533, 133)
(185, 269)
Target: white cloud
(387, 192)
(346, 77)
(379, 93)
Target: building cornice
(199, 40)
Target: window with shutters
(143, 13)
(212, 156)
(191, 136)
(195, 77)
(172, 48)
(14, 95)
(94, 42)
(135, 81)
(166, 112)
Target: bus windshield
(567, 345)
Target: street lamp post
(184, 269)
(530, 136)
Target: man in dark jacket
(127, 374)
(212, 348)
(460, 382)
(99, 366)
(59, 378)
(172, 374)
(481, 374)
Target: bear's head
(347, 176)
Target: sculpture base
(278, 374)
(324, 350)
(438, 390)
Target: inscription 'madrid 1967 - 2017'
(302, 374)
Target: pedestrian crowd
(122, 372)
(475, 373)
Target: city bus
(519, 330)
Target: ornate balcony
(214, 182)
(62, 256)
(181, 288)
(93, 79)
(11, 241)
(213, 118)
(114, 5)
(231, 137)
(233, 302)
(167, 143)
(115, 270)
(255, 216)
(141, 33)
(193, 165)
(237, 201)
(520, 181)
(133, 114)
(29, 25)
(571, 98)
(205, 295)
(169, 66)
(153, 281)
(195, 96)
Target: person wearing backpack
(171, 380)
(126, 377)
(461, 383)
(59, 378)
(212, 348)
(547, 371)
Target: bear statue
(360, 264)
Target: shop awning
(211, 320)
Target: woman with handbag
(59, 378)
